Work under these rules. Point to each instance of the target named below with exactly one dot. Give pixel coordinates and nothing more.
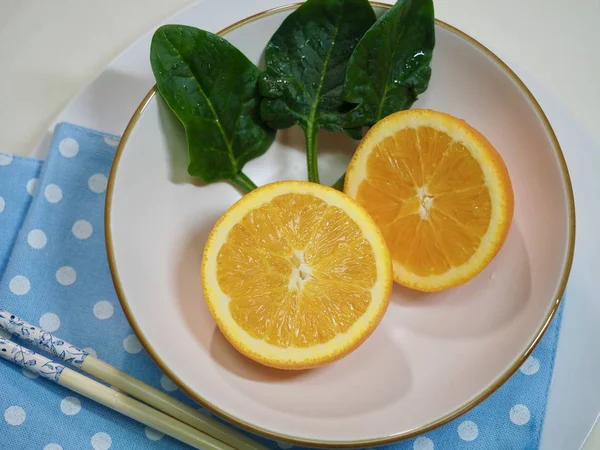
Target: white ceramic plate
(157, 222)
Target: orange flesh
(428, 196)
(297, 270)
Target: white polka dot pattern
(153, 435)
(14, 415)
(68, 147)
(53, 447)
(110, 141)
(97, 183)
(519, 414)
(90, 351)
(70, 406)
(31, 185)
(19, 285)
(53, 193)
(37, 239)
(167, 384)
(82, 229)
(101, 441)
(29, 374)
(103, 310)
(531, 366)
(468, 430)
(423, 443)
(66, 275)
(131, 344)
(50, 322)
(5, 159)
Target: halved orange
(296, 275)
(440, 193)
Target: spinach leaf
(211, 87)
(390, 65)
(306, 63)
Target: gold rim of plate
(499, 381)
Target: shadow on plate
(236, 363)
(190, 297)
(335, 151)
(175, 141)
(375, 375)
(485, 304)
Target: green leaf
(211, 87)
(390, 66)
(306, 63)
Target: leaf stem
(242, 181)
(339, 184)
(312, 160)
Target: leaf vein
(210, 105)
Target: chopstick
(97, 391)
(592, 440)
(79, 358)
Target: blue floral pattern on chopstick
(42, 339)
(30, 360)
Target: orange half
(439, 192)
(296, 275)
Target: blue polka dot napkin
(54, 271)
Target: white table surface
(50, 50)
